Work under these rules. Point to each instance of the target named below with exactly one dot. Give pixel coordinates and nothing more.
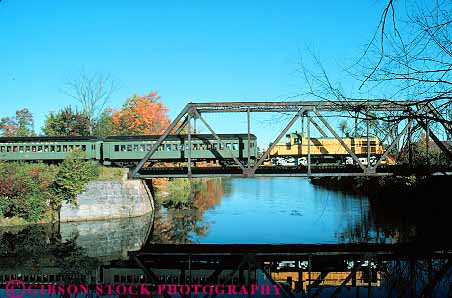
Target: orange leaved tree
(141, 115)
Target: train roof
(298, 134)
(48, 139)
(178, 137)
(118, 138)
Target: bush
(27, 190)
(73, 175)
(21, 189)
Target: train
(129, 150)
(324, 150)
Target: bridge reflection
(331, 270)
(379, 270)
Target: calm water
(237, 211)
(281, 210)
(285, 210)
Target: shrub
(73, 175)
(22, 186)
(27, 189)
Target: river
(240, 211)
(287, 210)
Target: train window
(251, 144)
(142, 147)
(161, 147)
(21, 148)
(195, 147)
(58, 148)
(201, 146)
(209, 146)
(83, 147)
(123, 148)
(71, 147)
(39, 148)
(148, 147)
(52, 148)
(64, 148)
(373, 143)
(135, 148)
(77, 147)
(175, 147)
(14, 148)
(181, 147)
(228, 145)
(46, 148)
(2, 149)
(214, 146)
(221, 146)
(116, 148)
(33, 148)
(373, 150)
(168, 147)
(235, 146)
(129, 147)
(27, 148)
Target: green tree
(67, 122)
(73, 175)
(104, 126)
(20, 125)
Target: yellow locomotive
(324, 149)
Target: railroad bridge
(403, 116)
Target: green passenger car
(204, 147)
(126, 150)
(49, 149)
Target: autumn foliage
(141, 115)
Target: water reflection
(69, 252)
(303, 270)
(182, 221)
(291, 210)
(270, 210)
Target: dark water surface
(246, 211)
(291, 210)
(283, 210)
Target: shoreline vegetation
(404, 188)
(34, 192)
(179, 192)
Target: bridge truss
(399, 113)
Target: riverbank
(409, 187)
(74, 190)
(109, 198)
(179, 192)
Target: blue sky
(186, 50)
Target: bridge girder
(410, 111)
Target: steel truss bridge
(402, 114)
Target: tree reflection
(400, 218)
(37, 247)
(178, 220)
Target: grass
(110, 173)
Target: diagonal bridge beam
(300, 108)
